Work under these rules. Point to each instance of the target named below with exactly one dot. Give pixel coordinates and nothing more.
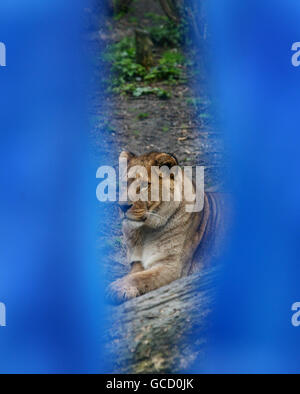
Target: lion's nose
(125, 207)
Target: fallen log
(152, 333)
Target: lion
(164, 240)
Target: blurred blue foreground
(49, 279)
(259, 100)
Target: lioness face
(146, 188)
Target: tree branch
(151, 334)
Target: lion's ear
(127, 155)
(166, 159)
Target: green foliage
(156, 18)
(121, 10)
(119, 16)
(197, 101)
(122, 58)
(169, 67)
(143, 116)
(165, 32)
(131, 77)
(159, 92)
(133, 20)
(205, 116)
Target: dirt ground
(183, 125)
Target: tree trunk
(170, 9)
(144, 46)
(154, 333)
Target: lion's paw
(121, 291)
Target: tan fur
(164, 241)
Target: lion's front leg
(159, 275)
(121, 290)
(142, 282)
